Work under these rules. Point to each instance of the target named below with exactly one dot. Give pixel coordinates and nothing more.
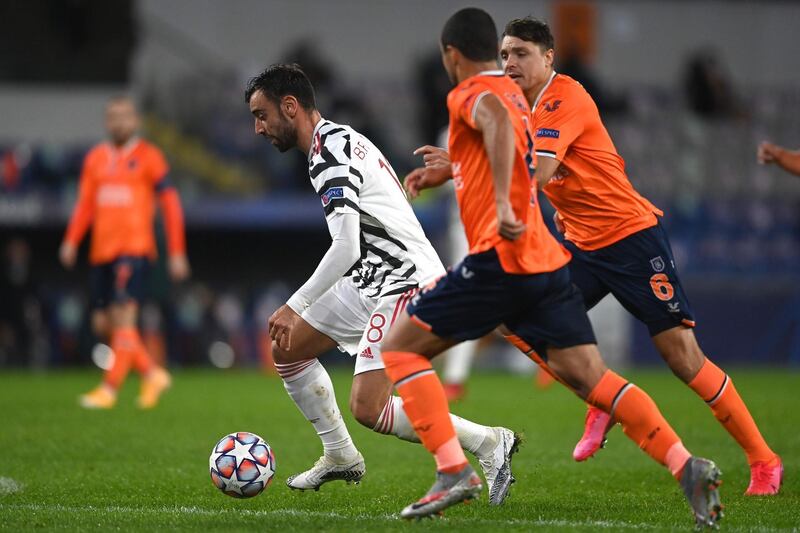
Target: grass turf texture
(67, 468)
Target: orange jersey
(590, 190)
(536, 250)
(117, 198)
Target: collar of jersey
(126, 149)
(539, 96)
(314, 134)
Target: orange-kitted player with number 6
(618, 245)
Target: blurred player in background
(377, 260)
(119, 184)
(788, 160)
(617, 242)
(515, 276)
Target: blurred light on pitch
(221, 354)
(103, 356)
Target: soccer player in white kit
(378, 259)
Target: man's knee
(281, 356)
(581, 367)
(123, 314)
(366, 411)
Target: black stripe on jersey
(340, 202)
(408, 273)
(548, 152)
(342, 181)
(383, 234)
(328, 133)
(347, 146)
(401, 289)
(328, 162)
(387, 258)
(357, 174)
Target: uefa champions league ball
(242, 465)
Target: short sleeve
(559, 120)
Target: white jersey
(351, 175)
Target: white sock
(474, 438)
(458, 362)
(309, 385)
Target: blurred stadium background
(687, 90)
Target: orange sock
(717, 390)
(641, 420)
(425, 404)
(142, 362)
(123, 344)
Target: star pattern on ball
(240, 451)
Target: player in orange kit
(119, 183)
(515, 275)
(617, 243)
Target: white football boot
(496, 465)
(325, 470)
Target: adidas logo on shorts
(367, 353)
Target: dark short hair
(532, 30)
(473, 33)
(281, 80)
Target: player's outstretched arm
(788, 160)
(436, 171)
(491, 118)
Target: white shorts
(356, 322)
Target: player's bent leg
(597, 422)
(678, 346)
(368, 398)
(310, 387)
(373, 405)
(124, 338)
(644, 424)
(406, 352)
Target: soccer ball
(242, 465)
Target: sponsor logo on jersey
(552, 107)
(330, 194)
(674, 307)
(112, 194)
(546, 132)
(657, 263)
(466, 273)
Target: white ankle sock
(309, 385)
(473, 437)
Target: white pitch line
(9, 486)
(473, 521)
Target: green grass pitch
(66, 468)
